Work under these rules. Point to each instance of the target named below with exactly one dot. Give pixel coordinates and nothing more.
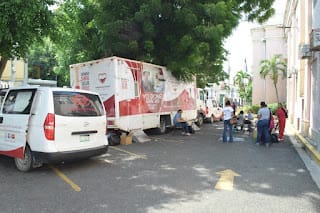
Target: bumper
(45, 157)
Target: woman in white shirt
(227, 113)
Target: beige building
(13, 72)
(302, 32)
(267, 41)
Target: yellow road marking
(65, 178)
(130, 153)
(225, 181)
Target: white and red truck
(136, 95)
(208, 108)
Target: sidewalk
(308, 153)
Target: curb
(314, 152)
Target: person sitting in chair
(240, 119)
(178, 121)
(249, 120)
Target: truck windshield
(77, 104)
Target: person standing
(282, 115)
(263, 124)
(227, 113)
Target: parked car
(48, 124)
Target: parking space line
(130, 153)
(65, 178)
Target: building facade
(267, 41)
(14, 74)
(301, 26)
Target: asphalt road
(171, 173)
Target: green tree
(184, 35)
(41, 60)
(248, 95)
(242, 79)
(22, 23)
(274, 68)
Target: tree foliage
(274, 68)
(184, 35)
(21, 23)
(41, 60)
(243, 80)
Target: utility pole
(13, 71)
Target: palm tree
(242, 79)
(273, 68)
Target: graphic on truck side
(134, 88)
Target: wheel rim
(23, 162)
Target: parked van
(47, 124)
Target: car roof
(46, 88)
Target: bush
(273, 107)
(255, 108)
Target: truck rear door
(14, 118)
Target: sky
(239, 44)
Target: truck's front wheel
(211, 119)
(200, 120)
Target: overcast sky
(239, 44)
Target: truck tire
(25, 164)
(211, 120)
(114, 139)
(200, 120)
(163, 127)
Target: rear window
(77, 104)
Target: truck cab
(208, 108)
(213, 110)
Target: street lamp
(13, 59)
(264, 41)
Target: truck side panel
(134, 93)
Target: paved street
(171, 173)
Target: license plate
(84, 138)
